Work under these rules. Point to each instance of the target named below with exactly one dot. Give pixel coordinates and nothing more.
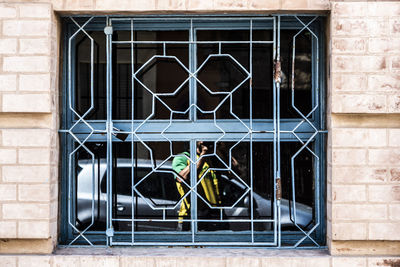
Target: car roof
(127, 163)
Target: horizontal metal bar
(194, 243)
(202, 18)
(197, 220)
(193, 42)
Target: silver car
(159, 190)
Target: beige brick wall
(364, 188)
(28, 87)
(195, 257)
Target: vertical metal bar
(278, 87)
(132, 136)
(193, 181)
(192, 68)
(108, 32)
(251, 134)
(276, 219)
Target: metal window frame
(285, 22)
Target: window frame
(318, 117)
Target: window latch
(277, 71)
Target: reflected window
(177, 131)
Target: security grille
(193, 131)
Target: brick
(230, 4)
(78, 5)
(351, 27)
(358, 175)
(243, 261)
(319, 4)
(294, 4)
(34, 192)
(26, 137)
(387, 82)
(349, 262)
(26, 211)
(395, 175)
(395, 63)
(7, 11)
(384, 193)
(349, 193)
(34, 156)
(33, 229)
(349, 157)
(295, 261)
(383, 157)
(384, 231)
(34, 46)
(68, 261)
(28, 174)
(349, 137)
(125, 5)
(393, 103)
(394, 137)
(171, 5)
(383, 262)
(384, 45)
(395, 27)
(349, 82)
(200, 5)
(27, 63)
(8, 46)
(8, 156)
(383, 9)
(8, 192)
(360, 103)
(8, 230)
(34, 11)
(262, 4)
(99, 261)
(349, 9)
(26, 28)
(349, 231)
(359, 63)
(349, 45)
(377, 137)
(394, 212)
(8, 82)
(26, 103)
(366, 212)
(198, 261)
(34, 82)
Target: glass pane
(302, 70)
(155, 74)
(304, 179)
(155, 186)
(227, 73)
(91, 175)
(224, 186)
(83, 98)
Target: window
(201, 130)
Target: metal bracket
(278, 188)
(110, 232)
(277, 71)
(108, 30)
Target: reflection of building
(358, 164)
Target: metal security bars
(203, 130)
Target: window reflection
(223, 181)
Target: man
(209, 184)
